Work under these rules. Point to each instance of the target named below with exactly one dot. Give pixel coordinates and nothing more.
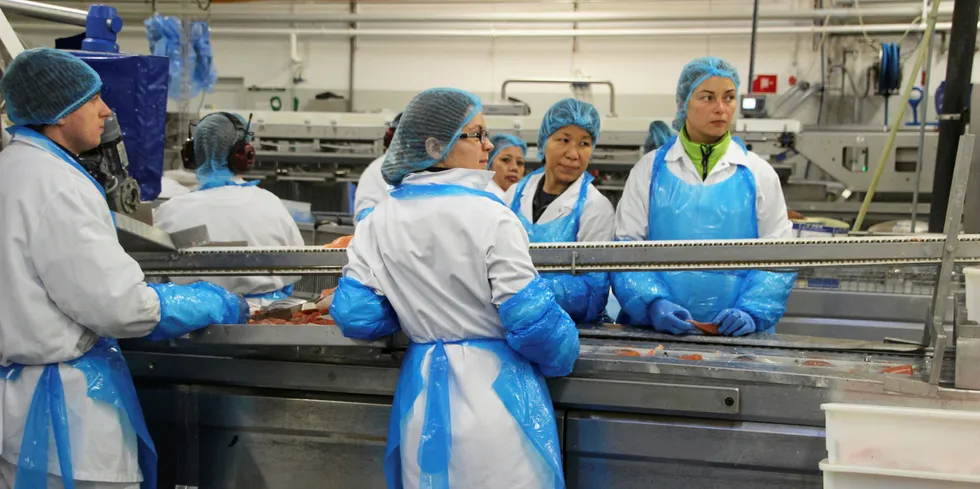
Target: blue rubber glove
(734, 322)
(668, 317)
(186, 308)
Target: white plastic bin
(972, 275)
(897, 438)
(845, 477)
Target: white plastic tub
(849, 477)
(972, 275)
(895, 438)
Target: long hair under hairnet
(568, 112)
(657, 135)
(428, 130)
(694, 74)
(214, 137)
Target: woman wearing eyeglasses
(558, 203)
(445, 261)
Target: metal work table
(314, 414)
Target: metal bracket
(574, 261)
(935, 333)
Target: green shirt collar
(701, 154)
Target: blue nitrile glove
(668, 317)
(734, 322)
(185, 308)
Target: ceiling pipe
(540, 33)
(248, 16)
(45, 11)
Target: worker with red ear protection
(371, 187)
(232, 209)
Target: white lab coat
(419, 253)
(371, 187)
(233, 213)
(495, 189)
(633, 211)
(170, 188)
(66, 281)
(597, 222)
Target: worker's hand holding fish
(670, 318)
(734, 322)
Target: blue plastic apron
(560, 230)
(108, 381)
(681, 211)
(521, 388)
(584, 297)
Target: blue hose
(889, 72)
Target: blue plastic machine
(134, 87)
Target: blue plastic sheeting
(135, 88)
(163, 34)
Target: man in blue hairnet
(233, 210)
(558, 202)
(703, 184)
(506, 163)
(69, 289)
(472, 407)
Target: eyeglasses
(483, 135)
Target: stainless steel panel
(826, 150)
(584, 472)
(859, 305)
(137, 236)
(283, 335)
(851, 329)
(258, 373)
(644, 396)
(696, 441)
(629, 451)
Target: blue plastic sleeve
(764, 297)
(636, 291)
(540, 330)
(364, 213)
(361, 313)
(583, 297)
(185, 308)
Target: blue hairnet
(658, 134)
(43, 85)
(214, 137)
(502, 141)
(568, 112)
(694, 74)
(428, 130)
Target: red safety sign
(764, 84)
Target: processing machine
(300, 406)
